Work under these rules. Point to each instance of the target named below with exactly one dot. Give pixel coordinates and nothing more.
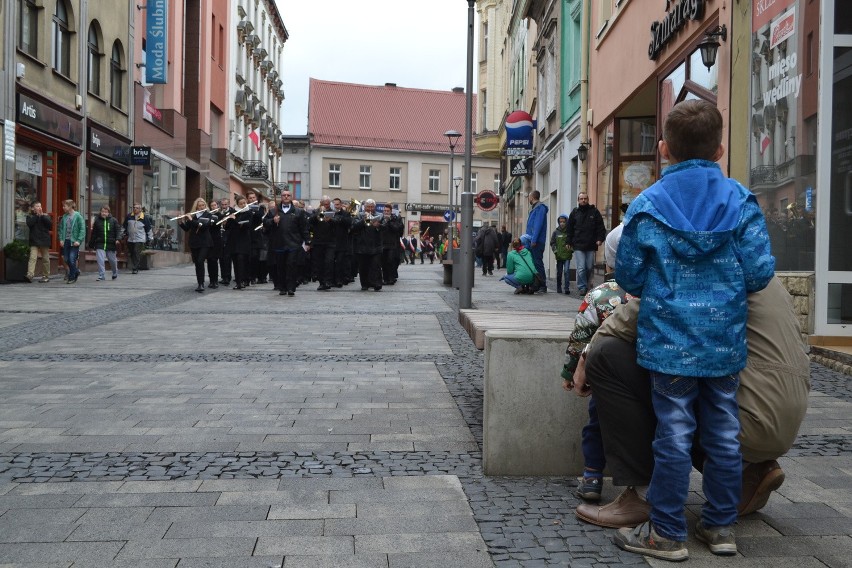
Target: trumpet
(191, 213)
(234, 214)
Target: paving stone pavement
(143, 424)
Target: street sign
(487, 200)
(449, 216)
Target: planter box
(16, 270)
(146, 259)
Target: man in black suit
(288, 232)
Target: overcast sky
(413, 44)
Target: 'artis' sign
(663, 31)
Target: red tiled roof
(385, 117)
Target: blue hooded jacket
(694, 244)
(537, 224)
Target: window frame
(61, 49)
(395, 179)
(32, 18)
(94, 60)
(435, 179)
(474, 178)
(365, 177)
(116, 76)
(334, 170)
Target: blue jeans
(584, 262)
(676, 401)
(511, 281)
(592, 442)
(538, 261)
(563, 272)
(70, 254)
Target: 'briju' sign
(663, 31)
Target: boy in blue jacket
(694, 244)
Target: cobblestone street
(143, 424)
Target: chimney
(458, 90)
(390, 84)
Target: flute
(232, 215)
(191, 213)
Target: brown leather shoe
(759, 481)
(628, 510)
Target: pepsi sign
(520, 131)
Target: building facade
(387, 143)
(67, 103)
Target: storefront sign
(50, 120)
(486, 200)
(520, 167)
(663, 31)
(106, 145)
(140, 155)
(156, 50)
(520, 131)
(431, 207)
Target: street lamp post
(466, 280)
(453, 136)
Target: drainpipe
(584, 92)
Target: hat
(526, 240)
(611, 245)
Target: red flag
(765, 140)
(253, 136)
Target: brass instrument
(354, 207)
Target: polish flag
(253, 136)
(765, 140)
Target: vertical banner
(156, 41)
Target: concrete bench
(478, 322)
(530, 426)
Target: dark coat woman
(238, 229)
(197, 226)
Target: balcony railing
(255, 170)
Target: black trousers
(225, 265)
(254, 265)
(370, 270)
(322, 256)
(287, 267)
(241, 263)
(390, 265)
(213, 269)
(342, 267)
(487, 264)
(199, 257)
(623, 396)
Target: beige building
(387, 143)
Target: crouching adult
(772, 398)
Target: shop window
(94, 61)
(28, 13)
(116, 76)
(104, 191)
(28, 170)
(61, 60)
(163, 203)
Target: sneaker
(519, 291)
(101, 278)
(71, 281)
(645, 540)
(29, 278)
(720, 540)
(44, 279)
(114, 276)
(590, 488)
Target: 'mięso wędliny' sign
(663, 31)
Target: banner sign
(520, 130)
(156, 41)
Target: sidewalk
(144, 424)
